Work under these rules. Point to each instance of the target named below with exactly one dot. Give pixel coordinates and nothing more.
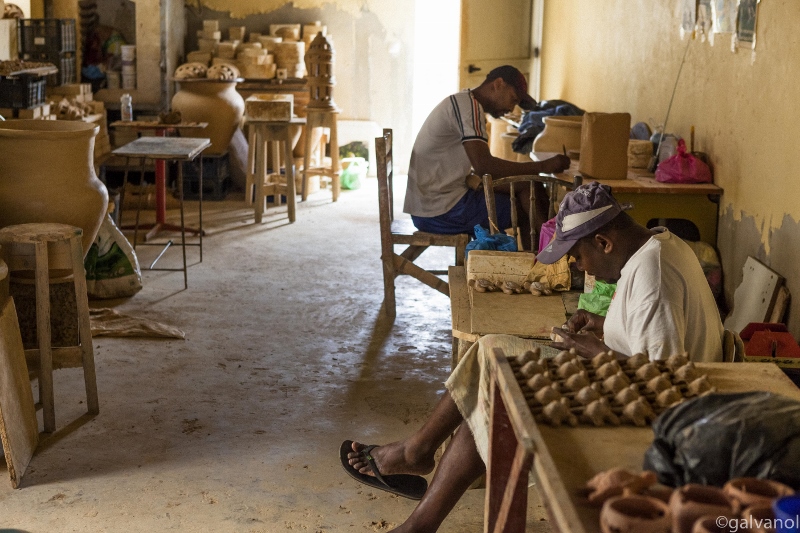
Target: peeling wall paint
(619, 55)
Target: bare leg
(460, 466)
(413, 455)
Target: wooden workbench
(698, 202)
(521, 315)
(563, 459)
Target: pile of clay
(603, 391)
(536, 288)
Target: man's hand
(556, 164)
(586, 344)
(584, 322)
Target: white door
(500, 32)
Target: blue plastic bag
(485, 241)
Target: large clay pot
(635, 514)
(559, 132)
(47, 175)
(212, 101)
(692, 501)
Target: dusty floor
(237, 428)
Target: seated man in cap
(663, 306)
(453, 143)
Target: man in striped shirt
(453, 143)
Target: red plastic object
(773, 344)
(752, 327)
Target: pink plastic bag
(683, 168)
(547, 233)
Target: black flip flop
(406, 485)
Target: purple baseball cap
(582, 212)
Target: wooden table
(169, 149)
(698, 203)
(521, 315)
(563, 459)
(161, 130)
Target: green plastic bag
(599, 299)
(351, 176)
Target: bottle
(126, 107)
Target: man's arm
(485, 163)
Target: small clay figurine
(676, 361)
(545, 395)
(565, 356)
(647, 372)
(669, 397)
(599, 412)
(511, 287)
(659, 383)
(567, 369)
(602, 358)
(528, 286)
(587, 395)
(532, 367)
(616, 481)
(627, 395)
(557, 412)
(616, 383)
(539, 381)
(482, 285)
(577, 381)
(529, 355)
(637, 360)
(687, 373)
(638, 412)
(700, 386)
(608, 369)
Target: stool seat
(51, 251)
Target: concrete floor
(237, 428)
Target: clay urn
(635, 514)
(47, 175)
(215, 102)
(753, 491)
(559, 132)
(716, 524)
(692, 501)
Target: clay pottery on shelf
(212, 101)
(635, 514)
(559, 132)
(690, 502)
(47, 175)
(753, 491)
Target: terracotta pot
(47, 175)
(758, 516)
(713, 524)
(753, 491)
(690, 502)
(559, 133)
(635, 514)
(212, 101)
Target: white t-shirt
(439, 164)
(663, 304)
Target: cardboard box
(269, 107)
(604, 146)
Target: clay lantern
(319, 64)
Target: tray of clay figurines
(571, 390)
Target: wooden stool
(261, 135)
(322, 118)
(41, 254)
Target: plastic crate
(22, 92)
(216, 177)
(50, 36)
(65, 62)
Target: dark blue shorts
(468, 212)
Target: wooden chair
(489, 185)
(732, 347)
(403, 232)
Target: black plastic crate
(50, 36)
(65, 62)
(22, 92)
(216, 177)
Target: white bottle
(126, 107)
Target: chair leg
(389, 274)
(84, 328)
(46, 397)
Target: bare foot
(394, 458)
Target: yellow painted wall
(623, 55)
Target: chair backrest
(383, 158)
(489, 185)
(732, 347)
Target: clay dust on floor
(237, 428)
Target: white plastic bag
(112, 269)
